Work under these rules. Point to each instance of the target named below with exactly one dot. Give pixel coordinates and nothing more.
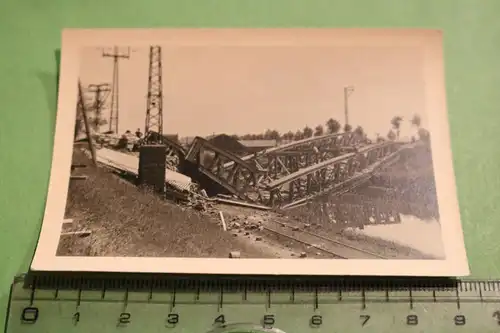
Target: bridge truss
(292, 174)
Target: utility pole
(101, 92)
(154, 107)
(348, 90)
(113, 117)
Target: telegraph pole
(113, 117)
(101, 92)
(154, 107)
(348, 90)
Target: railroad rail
(335, 248)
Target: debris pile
(244, 224)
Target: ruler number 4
(496, 315)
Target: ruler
(199, 307)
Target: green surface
(30, 33)
(472, 307)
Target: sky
(238, 89)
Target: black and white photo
(252, 151)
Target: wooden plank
(83, 110)
(241, 203)
(78, 177)
(224, 226)
(83, 233)
(67, 221)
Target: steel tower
(113, 117)
(154, 107)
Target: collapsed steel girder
(351, 215)
(239, 179)
(323, 147)
(336, 175)
(353, 210)
(251, 183)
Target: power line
(114, 115)
(101, 92)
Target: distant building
(227, 143)
(252, 146)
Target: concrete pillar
(152, 165)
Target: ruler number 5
(268, 321)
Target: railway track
(332, 247)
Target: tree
(347, 128)
(359, 131)
(416, 121)
(333, 126)
(307, 131)
(288, 135)
(424, 134)
(391, 135)
(298, 135)
(319, 130)
(396, 124)
(275, 135)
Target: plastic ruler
(467, 306)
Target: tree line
(331, 126)
(396, 122)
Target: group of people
(128, 133)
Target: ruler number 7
(364, 319)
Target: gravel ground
(126, 221)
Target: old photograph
(286, 146)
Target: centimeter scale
(200, 307)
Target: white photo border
(431, 42)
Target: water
(424, 236)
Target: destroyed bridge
(288, 175)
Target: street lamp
(348, 90)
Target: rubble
(302, 255)
(235, 254)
